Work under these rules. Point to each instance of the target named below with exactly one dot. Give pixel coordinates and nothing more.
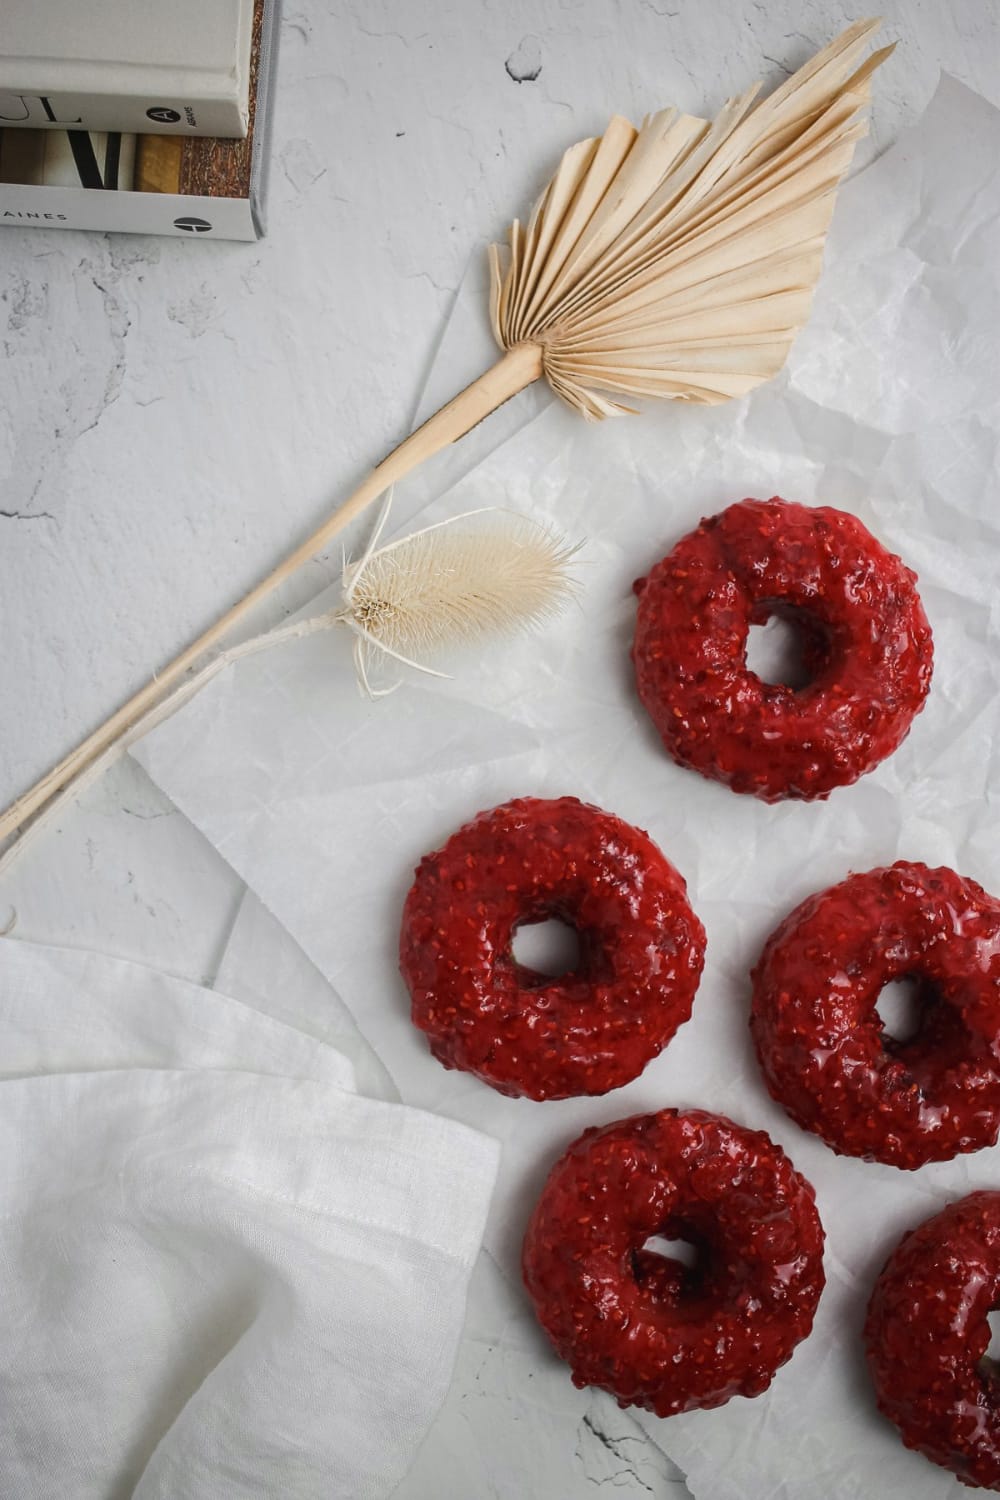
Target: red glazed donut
(866, 640)
(820, 1039)
(593, 1029)
(651, 1331)
(926, 1336)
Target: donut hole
(902, 1008)
(922, 1027)
(671, 1265)
(683, 1251)
(993, 1348)
(786, 646)
(546, 948)
(989, 1365)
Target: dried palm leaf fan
(677, 260)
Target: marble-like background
(176, 414)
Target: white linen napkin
(216, 1284)
(66, 1010)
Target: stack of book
(131, 116)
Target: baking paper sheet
(324, 803)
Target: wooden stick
(516, 369)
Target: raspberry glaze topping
(821, 1041)
(927, 1333)
(866, 645)
(585, 1032)
(654, 1332)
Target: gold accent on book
(158, 160)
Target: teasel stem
(513, 371)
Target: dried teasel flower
(453, 583)
(485, 573)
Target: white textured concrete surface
(175, 415)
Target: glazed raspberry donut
(866, 645)
(926, 1336)
(653, 1332)
(821, 1041)
(641, 949)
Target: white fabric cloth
(66, 1010)
(214, 1283)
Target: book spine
(182, 215)
(136, 114)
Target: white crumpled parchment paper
(323, 803)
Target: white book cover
(181, 68)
